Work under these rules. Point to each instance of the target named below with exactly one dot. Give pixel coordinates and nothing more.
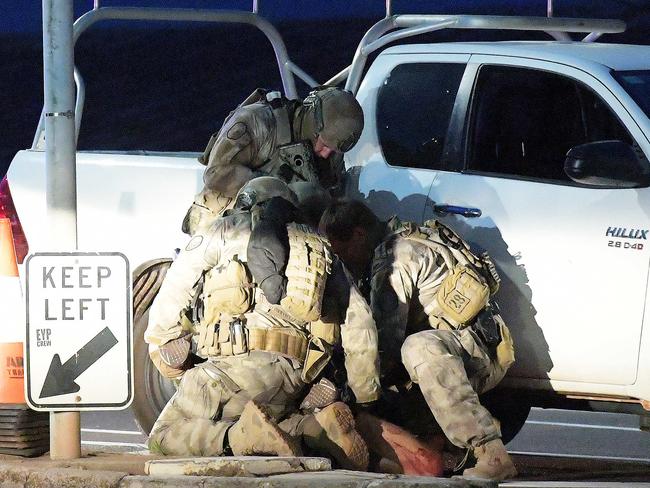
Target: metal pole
(549, 8)
(60, 173)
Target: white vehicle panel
(129, 203)
(570, 300)
(575, 304)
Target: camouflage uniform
(248, 145)
(450, 365)
(211, 395)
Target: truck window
(637, 84)
(414, 107)
(524, 121)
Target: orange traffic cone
(12, 320)
(23, 432)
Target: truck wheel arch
(151, 390)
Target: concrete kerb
(11, 476)
(333, 479)
(43, 473)
(73, 478)
(236, 466)
(23, 477)
(15, 477)
(92, 470)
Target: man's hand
(320, 395)
(175, 353)
(163, 368)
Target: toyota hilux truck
(536, 152)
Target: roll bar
(286, 66)
(389, 29)
(396, 27)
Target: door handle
(468, 212)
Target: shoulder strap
(205, 157)
(280, 107)
(440, 238)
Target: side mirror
(607, 164)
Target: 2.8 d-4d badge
(632, 237)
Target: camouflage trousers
(452, 367)
(212, 395)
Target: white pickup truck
(534, 151)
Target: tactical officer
(270, 135)
(260, 355)
(430, 297)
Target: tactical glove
(321, 395)
(175, 353)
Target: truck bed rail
(398, 27)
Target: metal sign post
(61, 197)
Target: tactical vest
(292, 160)
(229, 294)
(310, 262)
(471, 280)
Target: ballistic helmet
(261, 189)
(333, 114)
(313, 199)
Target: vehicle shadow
(515, 298)
(533, 359)
(515, 295)
(385, 203)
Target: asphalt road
(111, 430)
(583, 434)
(554, 444)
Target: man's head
(351, 228)
(332, 120)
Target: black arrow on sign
(61, 378)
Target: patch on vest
(462, 295)
(194, 243)
(457, 301)
(236, 131)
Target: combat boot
(493, 462)
(255, 433)
(332, 431)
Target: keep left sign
(78, 348)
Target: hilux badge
(624, 233)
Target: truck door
(573, 259)
(410, 109)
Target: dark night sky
(139, 81)
(26, 16)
